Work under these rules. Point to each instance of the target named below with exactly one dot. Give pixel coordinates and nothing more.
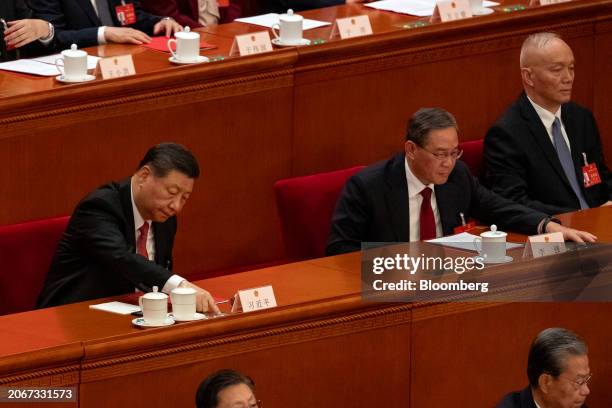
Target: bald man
(535, 153)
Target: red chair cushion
(26, 253)
(305, 205)
(473, 156)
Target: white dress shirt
(548, 119)
(174, 280)
(414, 203)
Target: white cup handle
(478, 240)
(140, 303)
(170, 41)
(60, 68)
(274, 28)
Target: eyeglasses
(582, 382)
(454, 155)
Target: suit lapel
(540, 135)
(396, 198)
(575, 140)
(446, 196)
(161, 243)
(125, 193)
(90, 11)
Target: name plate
(350, 27)
(251, 300)
(544, 245)
(116, 67)
(250, 44)
(451, 10)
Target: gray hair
(426, 119)
(549, 352)
(538, 41)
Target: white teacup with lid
(187, 46)
(73, 65)
(154, 307)
(289, 28)
(492, 245)
(183, 303)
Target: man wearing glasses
(424, 193)
(558, 372)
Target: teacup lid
(184, 291)
(155, 294)
(73, 52)
(493, 233)
(290, 16)
(186, 33)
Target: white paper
(43, 66)
(116, 307)
(420, 8)
(465, 241)
(268, 20)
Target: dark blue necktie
(104, 13)
(567, 163)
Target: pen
(462, 218)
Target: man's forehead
(177, 179)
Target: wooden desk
(321, 347)
(254, 120)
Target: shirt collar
(546, 117)
(138, 220)
(415, 186)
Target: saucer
(140, 322)
(60, 78)
(279, 43)
(483, 11)
(199, 60)
(197, 316)
(506, 259)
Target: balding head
(547, 70)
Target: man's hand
(22, 32)
(125, 35)
(167, 26)
(606, 204)
(204, 301)
(570, 234)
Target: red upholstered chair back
(473, 156)
(26, 251)
(306, 205)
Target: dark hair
(208, 391)
(549, 352)
(425, 120)
(165, 157)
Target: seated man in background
(96, 22)
(194, 13)
(558, 372)
(20, 34)
(226, 389)
(120, 237)
(425, 193)
(536, 151)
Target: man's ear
(410, 149)
(544, 382)
(527, 75)
(143, 174)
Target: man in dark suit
(194, 13)
(425, 193)
(120, 237)
(536, 151)
(558, 372)
(20, 34)
(79, 22)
